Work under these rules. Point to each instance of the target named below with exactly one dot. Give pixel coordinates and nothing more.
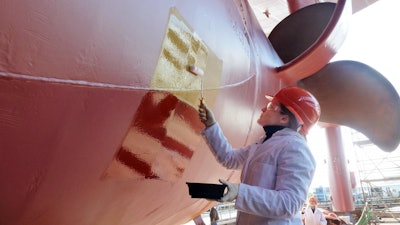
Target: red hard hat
(301, 103)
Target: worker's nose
(264, 109)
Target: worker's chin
(260, 122)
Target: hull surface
(98, 112)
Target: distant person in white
(312, 215)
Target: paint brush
(198, 72)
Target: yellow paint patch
(181, 48)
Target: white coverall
(314, 218)
(275, 175)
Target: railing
(366, 217)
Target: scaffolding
(379, 178)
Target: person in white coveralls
(312, 215)
(278, 169)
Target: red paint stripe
(175, 146)
(150, 119)
(134, 163)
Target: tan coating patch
(181, 48)
(165, 122)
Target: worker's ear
(284, 119)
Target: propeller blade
(307, 39)
(300, 30)
(355, 95)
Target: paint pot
(205, 190)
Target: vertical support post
(339, 176)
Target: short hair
(294, 124)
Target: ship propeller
(355, 95)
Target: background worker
(312, 215)
(278, 169)
(214, 217)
